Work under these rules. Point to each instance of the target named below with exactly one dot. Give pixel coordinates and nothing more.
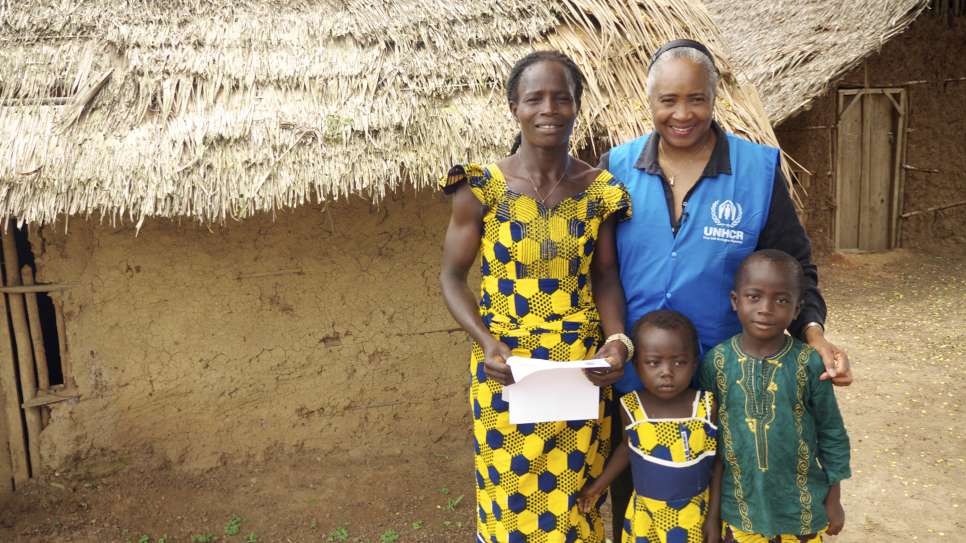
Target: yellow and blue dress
(536, 298)
(671, 464)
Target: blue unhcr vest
(693, 272)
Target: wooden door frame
(898, 96)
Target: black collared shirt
(782, 229)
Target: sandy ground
(900, 315)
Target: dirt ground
(901, 316)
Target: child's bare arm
(834, 509)
(615, 466)
(712, 523)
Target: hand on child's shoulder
(816, 367)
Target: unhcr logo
(727, 213)
(726, 216)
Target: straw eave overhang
(219, 111)
(794, 50)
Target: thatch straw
(793, 50)
(219, 110)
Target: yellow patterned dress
(536, 298)
(671, 463)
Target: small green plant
(163, 539)
(444, 491)
(203, 538)
(417, 524)
(233, 526)
(452, 503)
(313, 524)
(339, 534)
(251, 538)
(144, 538)
(389, 536)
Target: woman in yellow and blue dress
(543, 222)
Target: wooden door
(868, 167)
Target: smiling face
(681, 103)
(545, 106)
(766, 299)
(665, 360)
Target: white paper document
(546, 391)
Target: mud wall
(321, 330)
(929, 60)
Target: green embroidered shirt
(781, 437)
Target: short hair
(668, 319)
(791, 264)
(688, 53)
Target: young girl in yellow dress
(670, 438)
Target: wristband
(811, 324)
(623, 339)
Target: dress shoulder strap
(704, 405)
(631, 403)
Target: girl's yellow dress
(535, 297)
(671, 463)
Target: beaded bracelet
(623, 339)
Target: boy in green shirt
(782, 444)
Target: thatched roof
(216, 110)
(793, 49)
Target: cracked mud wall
(929, 60)
(320, 330)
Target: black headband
(677, 44)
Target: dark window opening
(48, 318)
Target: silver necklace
(543, 200)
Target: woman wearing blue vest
(703, 200)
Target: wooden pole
(917, 169)
(836, 185)
(831, 173)
(37, 340)
(933, 209)
(66, 368)
(24, 289)
(6, 465)
(16, 439)
(11, 401)
(898, 181)
(25, 355)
